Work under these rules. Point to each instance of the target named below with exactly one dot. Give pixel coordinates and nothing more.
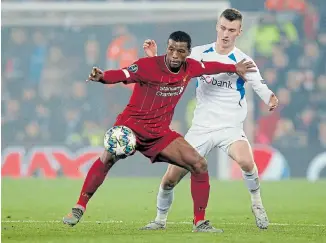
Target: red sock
(94, 179)
(200, 194)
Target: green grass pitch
(32, 210)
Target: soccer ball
(120, 141)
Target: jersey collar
(232, 51)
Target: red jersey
(157, 91)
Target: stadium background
(53, 122)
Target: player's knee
(168, 184)
(107, 158)
(200, 166)
(246, 164)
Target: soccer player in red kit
(159, 83)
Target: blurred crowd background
(46, 101)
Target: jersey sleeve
(199, 68)
(132, 74)
(137, 72)
(259, 86)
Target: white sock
(164, 202)
(252, 181)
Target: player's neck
(221, 50)
(172, 70)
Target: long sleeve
(132, 74)
(207, 68)
(258, 85)
(218, 67)
(115, 76)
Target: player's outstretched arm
(209, 68)
(109, 76)
(241, 68)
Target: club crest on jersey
(133, 68)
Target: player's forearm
(218, 67)
(262, 91)
(115, 76)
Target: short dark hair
(232, 14)
(181, 36)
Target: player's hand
(150, 48)
(273, 102)
(244, 67)
(96, 75)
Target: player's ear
(189, 52)
(240, 32)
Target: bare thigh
(180, 152)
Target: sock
(200, 194)
(93, 180)
(164, 202)
(252, 181)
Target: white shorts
(204, 141)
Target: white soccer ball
(120, 141)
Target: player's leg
(180, 152)
(202, 142)
(165, 196)
(241, 152)
(93, 180)
(171, 178)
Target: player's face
(227, 32)
(176, 53)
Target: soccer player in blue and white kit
(219, 116)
